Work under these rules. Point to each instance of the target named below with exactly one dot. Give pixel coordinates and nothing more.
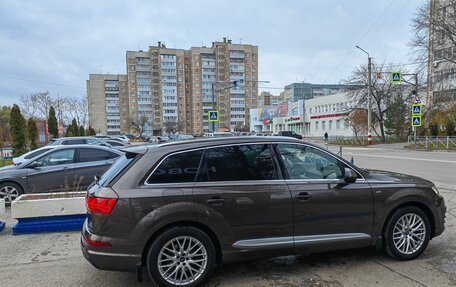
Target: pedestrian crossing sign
(416, 121)
(417, 109)
(396, 77)
(213, 116)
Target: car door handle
(216, 201)
(303, 196)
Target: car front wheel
(9, 191)
(181, 256)
(407, 233)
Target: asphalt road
(56, 259)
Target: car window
(114, 143)
(88, 154)
(96, 142)
(37, 153)
(181, 167)
(304, 162)
(65, 156)
(240, 162)
(72, 142)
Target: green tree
(397, 120)
(74, 128)
(91, 131)
(52, 123)
(32, 133)
(81, 131)
(18, 128)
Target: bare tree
(141, 125)
(74, 108)
(434, 30)
(357, 120)
(36, 105)
(28, 106)
(382, 91)
(170, 126)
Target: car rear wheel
(407, 233)
(181, 256)
(10, 191)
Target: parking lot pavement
(55, 259)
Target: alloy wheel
(182, 260)
(9, 193)
(409, 233)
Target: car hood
(395, 177)
(7, 168)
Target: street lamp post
(369, 95)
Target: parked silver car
(78, 140)
(66, 168)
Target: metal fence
(360, 140)
(447, 143)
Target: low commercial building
(328, 114)
(313, 117)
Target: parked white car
(125, 139)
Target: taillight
(94, 242)
(100, 204)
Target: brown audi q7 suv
(179, 209)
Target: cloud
(63, 42)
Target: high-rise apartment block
(107, 100)
(172, 90)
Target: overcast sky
(54, 45)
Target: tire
(170, 248)
(10, 191)
(407, 233)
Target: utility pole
(416, 95)
(213, 106)
(369, 96)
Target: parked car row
(66, 164)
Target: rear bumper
(107, 258)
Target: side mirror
(350, 175)
(34, 164)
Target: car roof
(208, 142)
(81, 137)
(79, 146)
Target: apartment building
(223, 77)
(173, 90)
(157, 89)
(108, 103)
(266, 99)
(442, 51)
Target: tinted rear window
(242, 162)
(181, 167)
(121, 164)
(87, 155)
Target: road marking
(408, 158)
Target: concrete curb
(49, 224)
(48, 212)
(2, 211)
